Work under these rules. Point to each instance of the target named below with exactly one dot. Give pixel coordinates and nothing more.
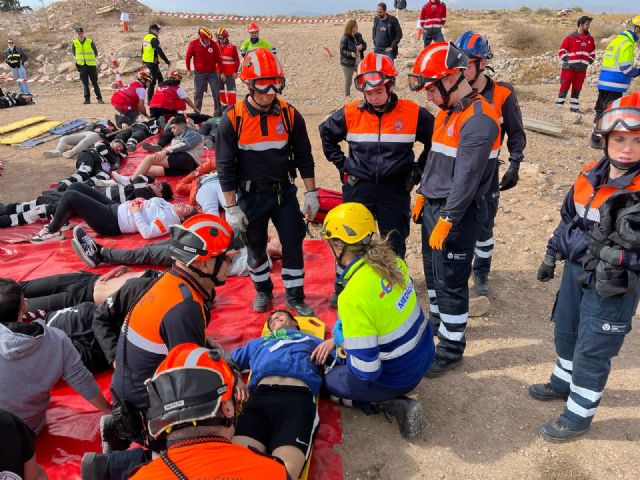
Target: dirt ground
(479, 422)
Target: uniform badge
(210, 50)
(280, 128)
(450, 131)
(398, 125)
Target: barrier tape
(234, 18)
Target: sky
(326, 7)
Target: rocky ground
(479, 421)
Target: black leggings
(59, 291)
(100, 212)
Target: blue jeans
(21, 73)
(384, 52)
(431, 35)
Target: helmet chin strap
(213, 276)
(479, 72)
(384, 108)
(251, 94)
(446, 94)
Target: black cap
(79, 29)
(584, 19)
(154, 26)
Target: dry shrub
(601, 29)
(174, 21)
(525, 9)
(526, 39)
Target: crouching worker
(281, 415)
(387, 339)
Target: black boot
(300, 307)
(544, 392)
(481, 282)
(557, 431)
(408, 414)
(440, 366)
(262, 301)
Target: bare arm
(101, 403)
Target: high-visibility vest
(167, 97)
(84, 52)
(127, 98)
(617, 60)
(229, 66)
(148, 53)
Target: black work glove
(547, 268)
(510, 177)
(599, 249)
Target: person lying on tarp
(280, 416)
(72, 144)
(9, 99)
(39, 356)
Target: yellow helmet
(636, 21)
(350, 222)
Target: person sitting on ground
(281, 415)
(81, 141)
(181, 157)
(129, 100)
(45, 205)
(39, 356)
(169, 99)
(9, 99)
(151, 218)
(18, 450)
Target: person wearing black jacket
(352, 47)
(15, 58)
(386, 32)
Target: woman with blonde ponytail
(387, 341)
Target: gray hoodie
(33, 358)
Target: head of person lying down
(282, 318)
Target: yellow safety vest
(148, 53)
(84, 52)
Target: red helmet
(253, 27)
(222, 32)
(143, 76)
(200, 237)
(375, 70)
(262, 71)
(434, 63)
(205, 33)
(621, 115)
(175, 75)
(189, 385)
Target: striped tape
(234, 18)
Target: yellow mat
(29, 133)
(10, 127)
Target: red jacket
(205, 58)
(433, 14)
(578, 51)
(167, 98)
(229, 58)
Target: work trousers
(156, 77)
(78, 141)
(431, 35)
(283, 210)
(483, 252)
(100, 212)
(21, 74)
(589, 332)
(126, 116)
(447, 275)
(56, 292)
(348, 78)
(156, 254)
(200, 82)
(89, 72)
(571, 79)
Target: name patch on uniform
(404, 298)
(280, 128)
(172, 405)
(614, 327)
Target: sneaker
(66, 226)
(300, 307)
(68, 154)
(408, 414)
(440, 366)
(51, 154)
(262, 301)
(150, 147)
(559, 104)
(545, 392)
(558, 431)
(85, 247)
(481, 284)
(44, 235)
(101, 101)
(94, 466)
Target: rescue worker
(230, 64)
(151, 55)
(589, 326)
(387, 340)
(206, 64)
(16, 57)
(577, 52)
(175, 309)
(467, 135)
(129, 101)
(199, 432)
(254, 41)
(503, 98)
(262, 140)
(616, 72)
(380, 169)
(386, 32)
(170, 98)
(85, 52)
(433, 16)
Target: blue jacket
(286, 353)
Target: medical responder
(262, 140)
(129, 101)
(85, 52)
(617, 71)
(386, 337)
(170, 98)
(433, 16)
(254, 41)
(230, 64)
(206, 65)
(380, 170)
(175, 309)
(466, 135)
(589, 326)
(503, 98)
(151, 55)
(577, 52)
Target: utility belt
(407, 180)
(252, 187)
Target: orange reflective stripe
(250, 136)
(158, 223)
(398, 125)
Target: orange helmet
(143, 76)
(175, 75)
(200, 237)
(262, 71)
(253, 27)
(189, 386)
(205, 33)
(621, 115)
(222, 32)
(375, 70)
(434, 63)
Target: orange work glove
(416, 211)
(439, 233)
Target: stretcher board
(53, 133)
(10, 127)
(312, 326)
(29, 133)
